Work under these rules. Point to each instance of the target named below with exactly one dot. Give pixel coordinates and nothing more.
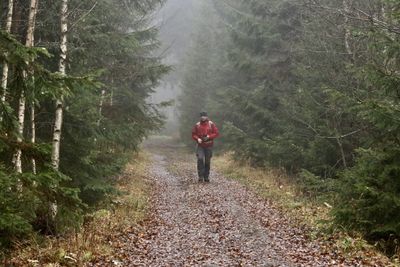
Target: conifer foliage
(311, 87)
(108, 71)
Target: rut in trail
(216, 224)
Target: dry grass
(276, 187)
(128, 211)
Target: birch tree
(102, 96)
(33, 123)
(347, 34)
(4, 77)
(22, 100)
(33, 133)
(107, 33)
(55, 155)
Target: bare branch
(84, 15)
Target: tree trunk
(33, 134)
(347, 34)
(9, 15)
(55, 155)
(343, 155)
(4, 77)
(21, 117)
(102, 96)
(33, 124)
(31, 23)
(21, 107)
(112, 92)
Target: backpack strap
(211, 124)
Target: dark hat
(203, 114)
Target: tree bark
(112, 92)
(22, 102)
(21, 117)
(31, 23)
(347, 34)
(33, 123)
(102, 96)
(33, 134)
(55, 155)
(4, 77)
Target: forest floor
(101, 228)
(221, 223)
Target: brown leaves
(219, 224)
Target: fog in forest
(310, 87)
(175, 22)
(303, 98)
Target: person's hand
(199, 140)
(206, 138)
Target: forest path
(220, 223)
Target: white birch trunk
(103, 94)
(21, 117)
(4, 82)
(112, 97)
(4, 77)
(112, 92)
(33, 134)
(347, 34)
(21, 108)
(33, 124)
(31, 23)
(55, 155)
(10, 10)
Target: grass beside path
(276, 187)
(102, 226)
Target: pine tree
(310, 87)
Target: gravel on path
(220, 223)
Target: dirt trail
(220, 223)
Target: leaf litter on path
(220, 223)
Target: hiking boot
(206, 180)
(201, 179)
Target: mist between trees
(310, 86)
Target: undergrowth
(288, 195)
(124, 213)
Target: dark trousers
(204, 155)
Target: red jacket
(204, 128)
